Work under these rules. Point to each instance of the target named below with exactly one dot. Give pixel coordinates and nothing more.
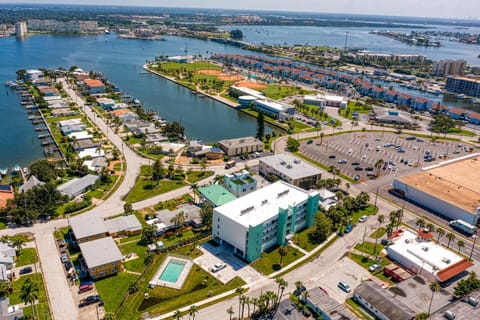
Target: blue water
(172, 271)
(121, 61)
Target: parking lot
(234, 266)
(355, 154)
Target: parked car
(345, 287)
(348, 228)
(373, 267)
(342, 161)
(25, 270)
(85, 288)
(355, 163)
(309, 141)
(369, 169)
(219, 266)
(332, 156)
(67, 265)
(90, 300)
(410, 138)
(64, 258)
(363, 219)
(358, 169)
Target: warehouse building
(450, 188)
(264, 218)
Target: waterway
(121, 60)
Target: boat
(7, 83)
(16, 169)
(136, 101)
(26, 170)
(3, 171)
(107, 31)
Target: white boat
(107, 31)
(3, 171)
(16, 169)
(136, 101)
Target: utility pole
(376, 197)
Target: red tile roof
(93, 83)
(453, 270)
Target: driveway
(235, 266)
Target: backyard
(41, 307)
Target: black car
(25, 270)
(90, 300)
(358, 169)
(355, 163)
(309, 141)
(410, 138)
(369, 169)
(332, 156)
(67, 265)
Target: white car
(363, 219)
(218, 266)
(373, 267)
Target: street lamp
(473, 246)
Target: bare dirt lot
(251, 85)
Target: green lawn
(269, 262)
(3, 224)
(368, 211)
(195, 176)
(42, 311)
(357, 107)
(135, 265)
(131, 239)
(17, 286)
(113, 289)
(302, 239)
(181, 236)
(368, 247)
(27, 256)
(461, 132)
(171, 67)
(163, 300)
(299, 126)
(377, 234)
(117, 166)
(145, 188)
(277, 92)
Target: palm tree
(247, 301)
(29, 293)
(194, 188)
(420, 223)
(282, 251)
(435, 287)
(254, 302)
(230, 312)
(243, 300)
(193, 311)
(282, 284)
(347, 187)
(450, 236)
(18, 243)
(430, 227)
(441, 233)
(240, 291)
(460, 244)
(378, 165)
(177, 315)
(380, 220)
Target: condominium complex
(72, 26)
(20, 29)
(264, 218)
(446, 68)
(290, 169)
(468, 86)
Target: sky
(417, 8)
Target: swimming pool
(172, 271)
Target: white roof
(166, 146)
(290, 166)
(263, 204)
(100, 252)
(105, 101)
(87, 225)
(53, 98)
(77, 185)
(92, 152)
(123, 223)
(80, 135)
(271, 105)
(433, 257)
(326, 194)
(70, 122)
(249, 92)
(326, 97)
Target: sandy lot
(251, 85)
(224, 77)
(210, 72)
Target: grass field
(27, 256)
(145, 188)
(41, 307)
(352, 107)
(270, 260)
(302, 239)
(113, 289)
(377, 234)
(172, 67)
(277, 92)
(195, 176)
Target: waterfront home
(123, 226)
(106, 103)
(77, 186)
(84, 144)
(8, 312)
(91, 152)
(404, 99)
(240, 183)
(33, 74)
(239, 146)
(170, 148)
(66, 130)
(216, 195)
(94, 86)
(155, 137)
(209, 152)
(65, 112)
(57, 105)
(125, 115)
(391, 96)
(31, 183)
(102, 257)
(290, 169)
(53, 99)
(6, 193)
(48, 91)
(422, 104)
(88, 227)
(96, 164)
(80, 135)
(69, 122)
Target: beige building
(238, 146)
(72, 26)
(446, 68)
(20, 29)
(102, 257)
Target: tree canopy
(44, 170)
(292, 144)
(236, 34)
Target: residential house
(8, 312)
(91, 152)
(6, 193)
(31, 183)
(66, 130)
(83, 144)
(94, 86)
(7, 261)
(77, 186)
(457, 113)
(327, 198)
(88, 227)
(96, 164)
(102, 257)
(63, 112)
(80, 135)
(326, 307)
(48, 91)
(106, 103)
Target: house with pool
(264, 218)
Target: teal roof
(216, 194)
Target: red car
(85, 287)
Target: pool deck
(181, 278)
